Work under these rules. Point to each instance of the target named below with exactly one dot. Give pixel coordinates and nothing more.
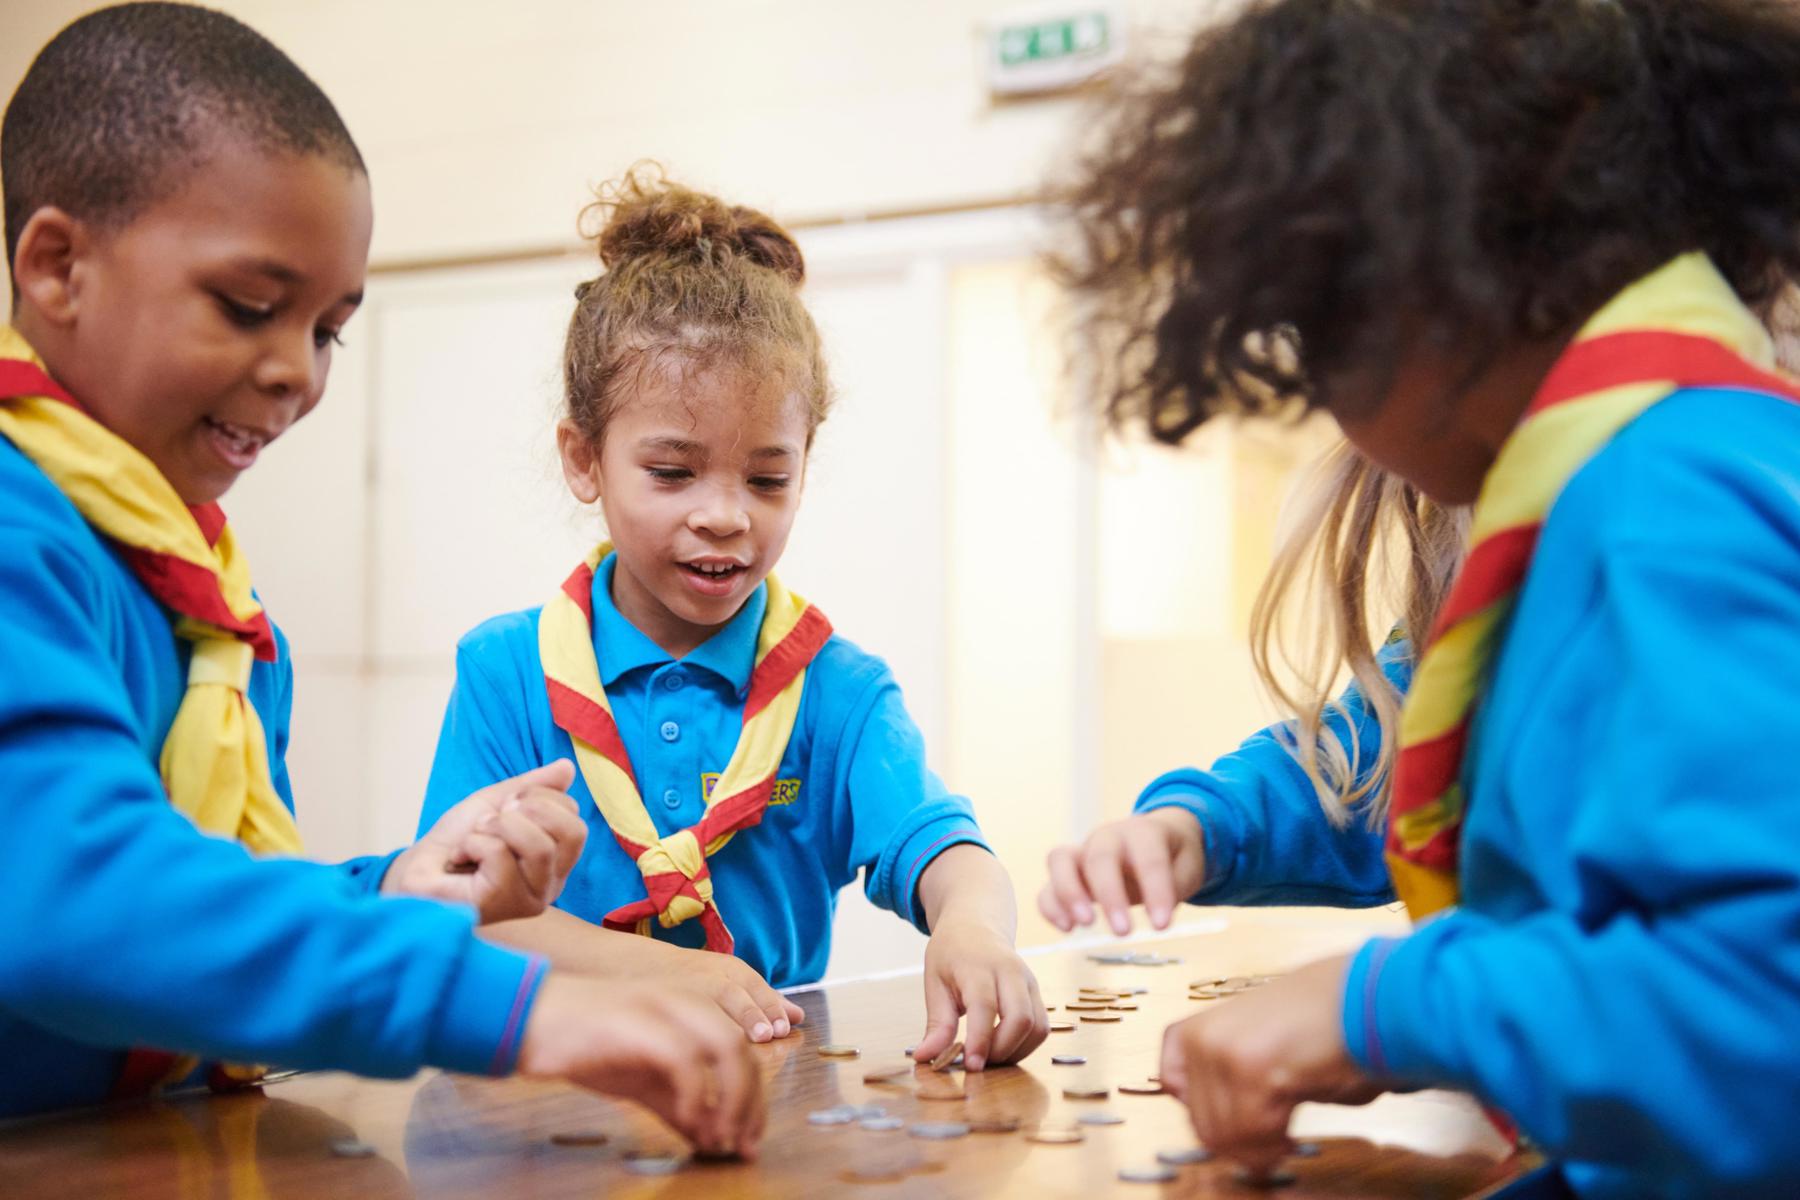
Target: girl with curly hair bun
(1526, 253)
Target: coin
(1141, 1089)
(1069, 1060)
(946, 1056)
(843, 1114)
(352, 1148)
(994, 1125)
(578, 1137)
(882, 1124)
(1085, 1093)
(652, 1164)
(1062, 1027)
(1307, 1150)
(1123, 1007)
(1100, 1118)
(1055, 1136)
(1184, 1158)
(1081, 1008)
(839, 1052)
(1145, 1175)
(1207, 995)
(1274, 1179)
(1101, 1017)
(939, 1131)
(889, 1072)
(1134, 991)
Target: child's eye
(248, 316)
(327, 337)
(670, 474)
(769, 483)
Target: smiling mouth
(244, 441)
(713, 570)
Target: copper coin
(1101, 1016)
(995, 1125)
(1055, 1137)
(578, 1137)
(1085, 1093)
(839, 1052)
(1141, 1089)
(1062, 1027)
(947, 1056)
(1084, 1007)
(1123, 1007)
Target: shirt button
(672, 798)
(670, 731)
(673, 681)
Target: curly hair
(690, 284)
(1318, 184)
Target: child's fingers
(1019, 1021)
(738, 1004)
(495, 887)
(1147, 853)
(776, 1009)
(941, 1016)
(1174, 1062)
(1052, 907)
(555, 813)
(1103, 872)
(736, 1085)
(557, 776)
(980, 1004)
(533, 851)
(796, 1015)
(1070, 891)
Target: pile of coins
(1218, 989)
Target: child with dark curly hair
(1525, 252)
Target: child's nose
(289, 367)
(722, 515)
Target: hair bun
(644, 214)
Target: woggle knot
(676, 878)
(224, 661)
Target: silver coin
(1184, 1158)
(1069, 1060)
(871, 1110)
(1136, 991)
(1146, 1174)
(832, 1116)
(352, 1148)
(1274, 1179)
(653, 1164)
(1100, 1118)
(939, 1131)
(1116, 960)
(882, 1124)
(1307, 1150)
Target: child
(187, 226)
(739, 762)
(1522, 252)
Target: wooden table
(440, 1135)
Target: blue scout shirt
(853, 791)
(1623, 975)
(124, 925)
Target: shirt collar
(620, 646)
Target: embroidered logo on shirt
(787, 791)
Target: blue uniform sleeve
(902, 816)
(1267, 839)
(1654, 1030)
(484, 738)
(124, 925)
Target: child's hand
(1156, 859)
(506, 850)
(671, 1052)
(728, 982)
(972, 968)
(1242, 1067)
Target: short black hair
(1320, 184)
(124, 102)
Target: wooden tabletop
(440, 1135)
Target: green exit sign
(1049, 49)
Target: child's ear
(43, 266)
(580, 461)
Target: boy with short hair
(187, 226)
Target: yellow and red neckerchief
(214, 760)
(1679, 327)
(677, 881)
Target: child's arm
(1249, 831)
(123, 925)
(726, 980)
(970, 963)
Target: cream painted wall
(485, 126)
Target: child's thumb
(556, 775)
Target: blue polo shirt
(1623, 973)
(122, 924)
(853, 792)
